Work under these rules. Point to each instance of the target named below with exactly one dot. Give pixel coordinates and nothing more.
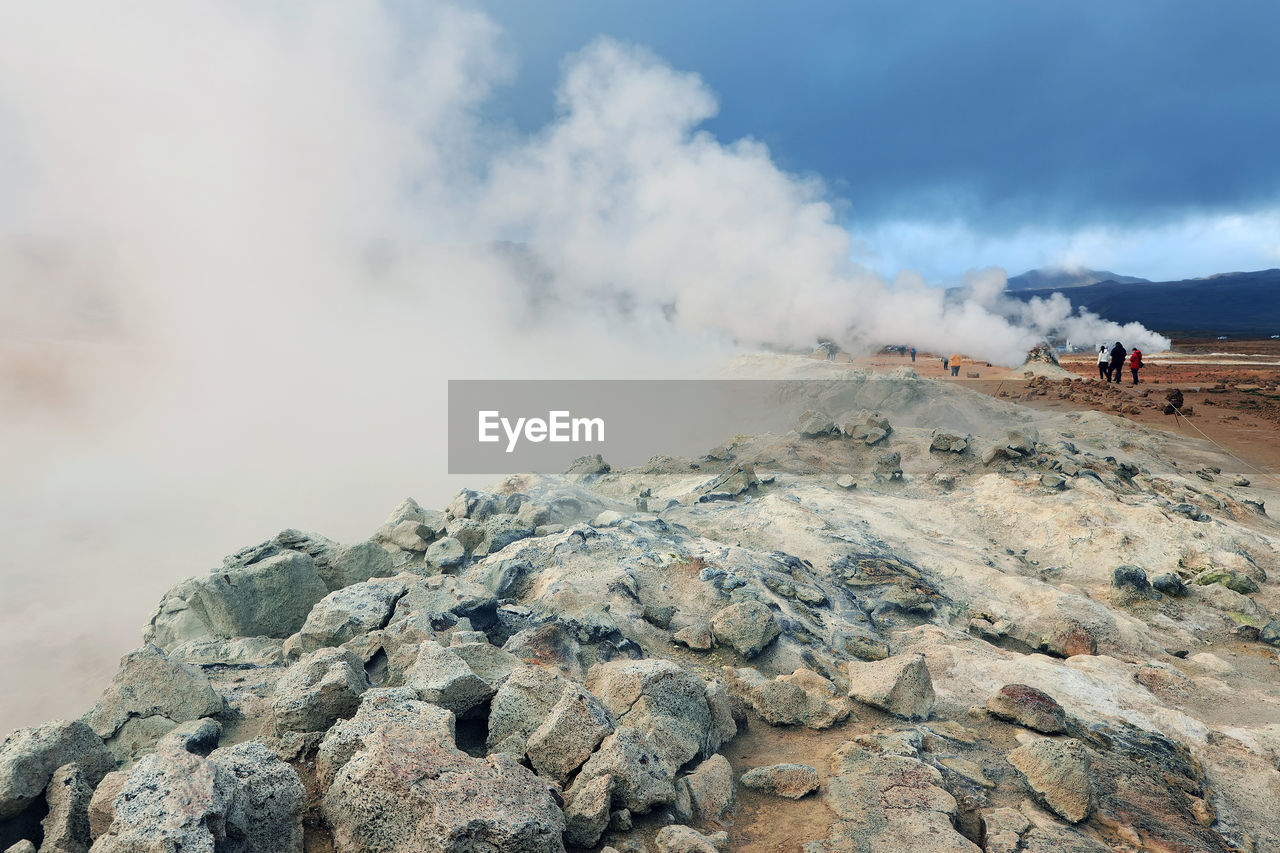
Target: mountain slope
(1059, 277)
(1237, 303)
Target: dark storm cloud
(996, 112)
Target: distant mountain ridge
(1060, 277)
(1240, 304)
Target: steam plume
(242, 247)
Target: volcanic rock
(792, 781)
(270, 598)
(407, 790)
(353, 610)
(320, 689)
(899, 684)
(1169, 584)
(1058, 773)
(802, 698)
(1028, 707)
(711, 788)
(152, 688)
(29, 757)
(747, 626)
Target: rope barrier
(1178, 413)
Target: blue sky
(1139, 137)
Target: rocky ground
(926, 619)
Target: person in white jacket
(1104, 363)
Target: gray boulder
(445, 553)
(29, 757)
(270, 598)
(520, 705)
(500, 531)
(198, 737)
(443, 678)
(945, 442)
(1130, 577)
(1270, 633)
(411, 525)
(641, 778)
(586, 814)
(473, 504)
(747, 626)
(150, 685)
(406, 790)
(409, 535)
(240, 651)
(899, 684)
(443, 598)
(607, 518)
(349, 612)
(352, 564)
(587, 468)
(803, 698)
(489, 662)
(1170, 584)
(573, 728)
(66, 826)
(321, 688)
(663, 701)
(266, 810)
(241, 799)
(379, 708)
(813, 423)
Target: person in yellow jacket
(955, 363)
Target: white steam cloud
(243, 245)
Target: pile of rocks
(1002, 640)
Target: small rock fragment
(792, 781)
(1169, 584)
(696, 636)
(1028, 707)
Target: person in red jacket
(1135, 363)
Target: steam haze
(244, 246)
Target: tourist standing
(1118, 352)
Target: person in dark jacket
(1118, 352)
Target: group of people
(1111, 362)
